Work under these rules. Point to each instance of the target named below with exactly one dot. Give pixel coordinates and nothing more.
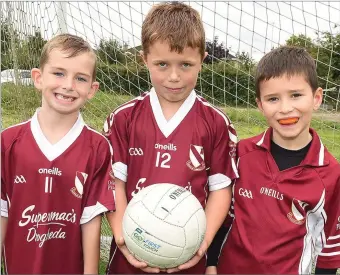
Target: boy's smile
(288, 104)
(64, 98)
(66, 82)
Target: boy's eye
(186, 65)
(296, 95)
(81, 79)
(58, 74)
(273, 99)
(162, 64)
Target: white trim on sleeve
(120, 171)
(218, 181)
(4, 208)
(92, 211)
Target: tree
(325, 50)
(246, 61)
(6, 48)
(216, 51)
(330, 49)
(111, 51)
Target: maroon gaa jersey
(48, 191)
(283, 220)
(195, 149)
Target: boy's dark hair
(286, 60)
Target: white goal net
(238, 35)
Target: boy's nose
(68, 84)
(286, 106)
(174, 76)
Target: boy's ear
(36, 77)
(259, 104)
(143, 56)
(205, 55)
(94, 89)
(317, 98)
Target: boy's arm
(98, 198)
(4, 202)
(216, 246)
(3, 229)
(91, 245)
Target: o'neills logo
(52, 171)
(79, 183)
(271, 193)
(170, 147)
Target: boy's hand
(193, 261)
(132, 260)
(211, 270)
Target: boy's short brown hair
(72, 44)
(286, 60)
(175, 23)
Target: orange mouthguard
(288, 121)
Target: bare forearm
(3, 229)
(115, 218)
(91, 245)
(216, 211)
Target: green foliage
(111, 52)
(27, 51)
(326, 51)
(228, 84)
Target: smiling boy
(286, 200)
(55, 170)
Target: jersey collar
(167, 127)
(315, 156)
(52, 151)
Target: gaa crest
(196, 156)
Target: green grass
(20, 103)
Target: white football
(164, 225)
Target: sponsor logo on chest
(271, 193)
(169, 147)
(50, 171)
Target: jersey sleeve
(116, 132)
(223, 168)
(4, 200)
(99, 194)
(329, 257)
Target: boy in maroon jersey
(171, 134)
(55, 170)
(286, 200)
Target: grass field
(19, 104)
